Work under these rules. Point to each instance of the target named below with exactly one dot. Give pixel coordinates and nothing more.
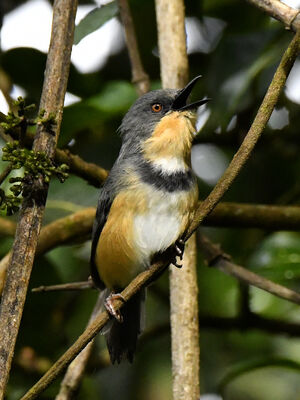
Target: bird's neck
(169, 147)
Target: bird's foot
(108, 304)
(178, 249)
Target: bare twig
(280, 11)
(215, 257)
(66, 286)
(23, 251)
(72, 380)
(64, 230)
(254, 133)
(183, 284)
(139, 76)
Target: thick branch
(254, 133)
(215, 257)
(170, 18)
(139, 76)
(23, 251)
(280, 11)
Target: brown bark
(23, 251)
(183, 282)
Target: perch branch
(28, 227)
(280, 11)
(254, 133)
(215, 257)
(139, 76)
(91, 331)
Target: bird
(145, 206)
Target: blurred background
(236, 48)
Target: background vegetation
(237, 57)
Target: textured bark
(183, 282)
(280, 11)
(185, 326)
(23, 251)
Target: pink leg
(110, 306)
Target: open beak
(179, 104)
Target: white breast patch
(160, 227)
(170, 165)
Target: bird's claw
(179, 249)
(108, 304)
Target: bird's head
(161, 116)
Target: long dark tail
(121, 338)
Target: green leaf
(94, 20)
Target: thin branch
(66, 286)
(254, 133)
(23, 251)
(72, 380)
(215, 257)
(139, 76)
(64, 230)
(280, 11)
(92, 173)
(241, 215)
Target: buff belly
(141, 223)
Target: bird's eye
(156, 107)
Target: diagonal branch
(139, 76)
(23, 251)
(254, 133)
(215, 257)
(280, 11)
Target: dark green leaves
(94, 20)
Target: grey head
(141, 119)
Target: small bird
(145, 206)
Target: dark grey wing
(104, 204)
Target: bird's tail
(121, 338)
